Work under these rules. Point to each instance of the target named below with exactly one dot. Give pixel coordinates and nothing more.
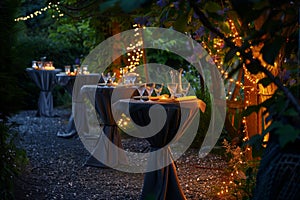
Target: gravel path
(56, 167)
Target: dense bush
(12, 158)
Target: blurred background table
(67, 82)
(101, 98)
(45, 80)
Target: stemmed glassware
(105, 77)
(149, 89)
(172, 89)
(185, 88)
(141, 89)
(130, 78)
(158, 89)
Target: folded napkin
(201, 104)
(186, 98)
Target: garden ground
(57, 170)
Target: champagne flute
(172, 89)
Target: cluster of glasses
(149, 88)
(42, 64)
(108, 78)
(177, 88)
(129, 78)
(77, 69)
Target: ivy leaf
(261, 4)
(271, 49)
(230, 54)
(256, 142)
(212, 7)
(181, 22)
(108, 4)
(251, 109)
(225, 27)
(131, 5)
(127, 6)
(291, 112)
(253, 68)
(286, 134)
(265, 81)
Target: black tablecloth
(161, 184)
(68, 83)
(105, 154)
(45, 81)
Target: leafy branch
(246, 55)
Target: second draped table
(68, 83)
(104, 154)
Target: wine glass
(149, 88)
(34, 64)
(105, 78)
(158, 89)
(133, 78)
(185, 88)
(141, 89)
(172, 89)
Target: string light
(135, 54)
(52, 6)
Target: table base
(162, 184)
(106, 150)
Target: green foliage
(13, 159)
(241, 172)
(9, 68)
(126, 6)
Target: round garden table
(45, 80)
(161, 181)
(104, 154)
(67, 82)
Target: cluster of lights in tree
(135, 53)
(231, 184)
(53, 6)
(218, 44)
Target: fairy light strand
(135, 52)
(50, 6)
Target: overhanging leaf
(251, 109)
(181, 22)
(271, 49)
(230, 54)
(256, 143)
(253, 68)
(291, 112)
(265, 81)
(286, 134)
(212, 7)
(131, 5)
